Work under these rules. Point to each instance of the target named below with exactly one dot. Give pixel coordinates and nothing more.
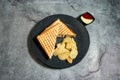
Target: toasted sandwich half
(47, 39)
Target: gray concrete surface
(17, 17)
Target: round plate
(82, 40)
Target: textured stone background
(17, 17)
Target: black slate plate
(82, 40)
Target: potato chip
(69, 60)
(63, 56)
(66, 50)
(61, 49)
(73, 41)
(56, 52)
(73, 53)
(59, 45)
(66, 39)
(70, 46)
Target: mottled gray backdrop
(17, 17)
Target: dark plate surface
(82, 40)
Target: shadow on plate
(34, 57)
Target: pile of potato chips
(66, 50)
